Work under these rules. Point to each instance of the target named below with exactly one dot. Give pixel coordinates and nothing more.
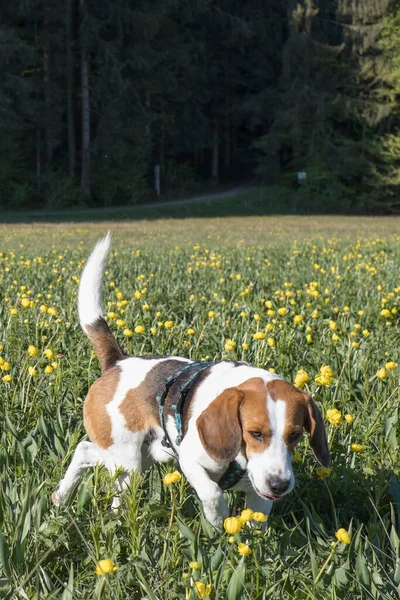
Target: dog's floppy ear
(314, 424)
(219, 426)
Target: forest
(99, 95)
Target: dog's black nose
(278, 485)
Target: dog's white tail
(90, 307)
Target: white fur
(276, 459)
(89, 297)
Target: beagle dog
(237, 427)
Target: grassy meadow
(293, 294)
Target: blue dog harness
(193, 370)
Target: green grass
(315, 267)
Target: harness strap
(232, 476)
(199, 366)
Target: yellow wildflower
(282, 311)
(245, 346)
(7, 378)
(128, 333)
(357, 448)
(271, 342)
(381, 373)
(343, 536)
(349, 418)
(230, 345)
(139, 329)
(203, 591)
(323, 472)
(168, 324)
(195, 565)
(246, 515)
(33, 351)
(105, 566)
(298, 319)
(334, 416)
(325, 376)
(389, 366)
(191, 331)
(48, 353)
(48, 370)
(259, 335)
(301, 379)
(212, 314)
(32, 372)
(244, 549)
(259, 517)
(233, 525)
(170, 478)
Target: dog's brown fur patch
(96, 419)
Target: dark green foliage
(210, 90)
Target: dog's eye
(257, 435)
(294, 437)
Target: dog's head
(265, 420)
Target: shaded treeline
(96, 93)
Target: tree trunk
(215, 153)
(227, 153)
(46, 84)
(85, 175)
(38, 160)
(70, 90)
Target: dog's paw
(56, 498)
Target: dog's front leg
(215, 507)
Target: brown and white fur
(240, 413)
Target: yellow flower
(256, 317)
(14, 311)
(48, 370)
(112, 315)
(5, 366)
(244, 549)
(33, 351)
(7, 378)
(309, 338)
(168, 324)
(137, 295)
(271, 342)
(389, 366)
(355, 345)
(334, 416)
(268, 304)
(139, 329)
(259, 335)
(43, 308)
(195, 565)
(282, 311)
(381, 373)
(191, 331)
(357, 448)
(259, 517)
(301, 379)
(48, 353)
(212, 314)
(325, 376)
(32, 372)
(153, 330)
(245, 346)
(128, 333)
(233, 525)
(323, 472)
(52, 311)
(349, 418)
(121, 323)
(246, 515)
(54, 365)
(230, 345)
(105, 566)
(298, 319)
(26, 303)
(172, 478)
(385, 313)
(343, 536)
(202, 590)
